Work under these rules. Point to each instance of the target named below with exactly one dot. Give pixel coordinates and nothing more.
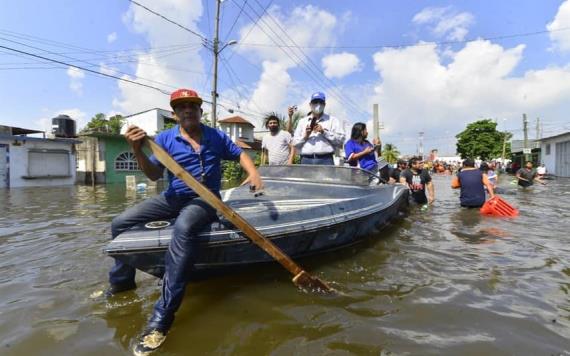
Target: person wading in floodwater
(199, 149)
(418, 179)
(527, 176)
(472, 182)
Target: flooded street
(441, 281)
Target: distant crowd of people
(319, 135)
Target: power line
(314, 75)
(102, 74)
(406, 45)
(236, 19)
(169, 20)
(84, 69)
(317, 68)
(82, 61)
(254, 22)
(231, 74)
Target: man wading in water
(418, 179)
(199, 149)
(472, 182)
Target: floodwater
(441, 281)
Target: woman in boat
(359, 151)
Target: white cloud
(419, 93)
(561, 39)
(112, 37)
(339, 65)
(445, 22)
(163, 69)
(306, 26)
(75, 80)
(44, 123)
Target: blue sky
(428, 84)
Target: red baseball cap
(182, 95)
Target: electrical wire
(169, 20)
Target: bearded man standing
(276, 145)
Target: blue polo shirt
(205, 165)
(367, 162)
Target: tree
(97, 123)
(115, 123)
(481, 140)
(390, 153)
(100, 123)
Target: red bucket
(497, 206)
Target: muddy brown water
(442, 281)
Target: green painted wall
(114, 146)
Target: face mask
(273, 128)
(317, 109)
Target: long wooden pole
(301, 278)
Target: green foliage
(115, 124)
(297, 116)
(297, 159)
(390, 153)
(232, 171)
(257, 159)
(168, 125)
(481, 140)
(100, 123)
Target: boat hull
(337, 219)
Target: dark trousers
(192, 214)
(325, 160)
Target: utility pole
(216, 49)
(504, 147)
(375, 123)
(538, 135)
(526, 146)
(421, 146)
(216, 52)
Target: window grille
(126, 161)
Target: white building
(241, 132)
(237, 128)
(151, 121)
(555, 154)
(32, 161)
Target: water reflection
(441, 281)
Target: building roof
(235, 120)
(555, 136)
(255, 145)
(38, 139)
(21, 131)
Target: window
(547, 148)
(126, 161)
(240, 132)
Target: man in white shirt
(277, 144)
(318, 134)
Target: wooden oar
(301, 277)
